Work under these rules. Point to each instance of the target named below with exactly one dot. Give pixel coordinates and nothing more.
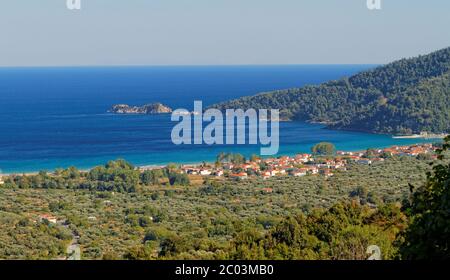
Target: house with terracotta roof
(49, 218)
(241, 176)
(246, 166)
(266, 174)
(267, 190)
(298, 172)
(326, 172)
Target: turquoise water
(57, 117)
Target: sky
(219, 32)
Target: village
(296, 166)
(304, 164)
(236, 167)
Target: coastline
(144, 167)
(421, 136)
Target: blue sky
(216, 32)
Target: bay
(57, 117)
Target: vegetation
(121, 213)
(21, 238)
(118, 176)
(230, 157)
(428, 236)
(323, 149)
(404, 97)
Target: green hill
(404, 97)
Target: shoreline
(421, 136)
(144, 167)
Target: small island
(153, 108)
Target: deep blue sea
(57, 117)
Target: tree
(351, 243)
(370, 153)
(151, 177)
(221, 157)
(230, 157)
(254, 158)
(142, 252)
(179, 179)
(117, 175)
(237, 158)
(361, 192)
(324, 149)
(428, 236)
(424, 157)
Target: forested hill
(403, 97)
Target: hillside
(202, 222)
(404, 97)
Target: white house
(298, 173)
(49, 218)
(205, 172)
(312, 169)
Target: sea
(54, 117)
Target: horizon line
(186, 65)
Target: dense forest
(117, 212)
(404, 97)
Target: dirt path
(73, 250)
